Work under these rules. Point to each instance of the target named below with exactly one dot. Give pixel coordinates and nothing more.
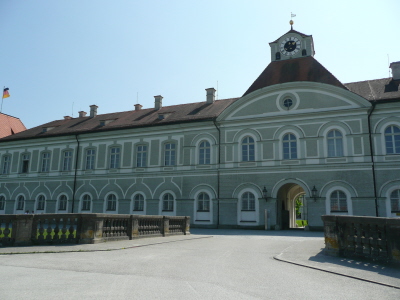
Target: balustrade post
(331, 232)
(134, 227)
(165, 231)
(22, 230)
(393, 238)
(91, 229)
(187, 226)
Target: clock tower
(293, 44)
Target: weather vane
(292, 15)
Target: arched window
(392, 140)
(138, 202)
(248, 153)
(204, 153)
(277, 56)
(62, 202)
(289, 144)
(40, 202)
(86, 201)
(248, 201)
(338, 201)
(395, 201)
(335, 143)
(111, 202)
(168, 202)
(203, 202)
(20, 202)
(2, 202)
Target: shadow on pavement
(252, 232)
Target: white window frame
(25, 161)
(18, 201)
(207, 201)
(248, 149)
(115, 157)
(348, 201)
(142, 201)
(81, 202)
(40, 200)
(289, 142)
(170, 154)
(2, 203)
(161, 206)
(393, 135)
(90, 159)
(59, 203)
(141, 156)
(332, 143)
(111, 203)
(67, 161)
(45, 162)
(204, 152)
(6, 164)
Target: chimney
(67, 118)
(82, 113)
(210, 95)
(93, 110)
(158, 102)
(138, 106)
(395, 66)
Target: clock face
(290, 46)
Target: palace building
(296, 145)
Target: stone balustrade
(31, 229)
(372, 238)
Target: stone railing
(24, 230)
(367, 237)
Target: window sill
(248, 210)
(202, 220)
(138, 210)
(243, 221)
(203, 211)
(290, 162)
(168, 210)
(339, 211)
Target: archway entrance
(291, 206)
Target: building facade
(297, 145)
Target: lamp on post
(264, 193)
(314, 193)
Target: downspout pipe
(75, 174)
(218, 174)
(372, 158)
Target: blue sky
(59, 57)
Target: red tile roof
(182, 113)
(10, 125)
(292, 70)
(376, 90)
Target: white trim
(328, 201)
(248, 218)
(160, 207)
(131, 206)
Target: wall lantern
(314, 193)
(264, 193)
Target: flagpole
(2, 98)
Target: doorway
(291, 206)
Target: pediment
(293, 98)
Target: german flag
(5, 93)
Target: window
(67, 161)
(141, 156)
(40, 203)
(25, 163)
(248, 201)
(86, 201)
(277, 56)
(62, 202)
(20, 202)
(335, 143)
(203, 202)
(287, 103)
(90, 155)
(248, 149)
(138, 203)
(395, 201)
(114, 157)
(392, 140)
(111, 202)
(204, 153)
(289, 146)
(338, 201)
(45, 162)
(170, 154)
(2, 202)
(168, 202)
(5, 168)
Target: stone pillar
(332, 246)
(187, 226)
(91, 229)
(22, 230)
(135, 227)
(165, 231)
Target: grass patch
(301, 223)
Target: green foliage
(301, 223)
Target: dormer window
(45, 129)
(164, 115)
(106, 122)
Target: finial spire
(292, 15)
